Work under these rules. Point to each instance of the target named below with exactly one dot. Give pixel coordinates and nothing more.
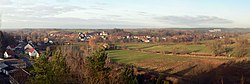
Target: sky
(124, 13)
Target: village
(16, 60)
(119, 35)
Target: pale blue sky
(124, 13)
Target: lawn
(160, 62)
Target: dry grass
(161, 63)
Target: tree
(241, 48)
(5, 40)
(41, 71)
(92, 43)
(96, 70)
(128, 76)
(69, 65)
(227, 40)
(216, 47)
(96, 62)
(1, 45)
(52, 71)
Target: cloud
(43, 10)
(113, 16)
(62, 0)
(100, 4)
(5, 2)
(193, 20)
(142, 13)
(38, 10)
(54, 22)
(95, 8)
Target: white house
(215, 30)
(103, 33)
(28, 46)
(146, 41)
(33, 53)
(9, 54)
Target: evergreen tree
(41, 71)
(52, 71)
(128, 76)
(96, 70)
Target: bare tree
(92, 43)
(216, 47)
(241, 47)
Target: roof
(20, 76)
(28, 46)
(9, 68)
(31, 50)
(3, 65)
(10, 52)
(11, 62)
(12, 46)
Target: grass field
(140, 46)
(169, 47)
(159, 62)
(191, 48)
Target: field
(169, 47)
(159, 62)
(140, 46)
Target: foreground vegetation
(74, 67)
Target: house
(21, 44)
(20, 48)
(8, 70)
(148, 37)
(146, 41)
(2, 66)
(9, 54)
(19, 76)
(103, 33)
(33, 53)
(16, 63)
(13, 72)
(215, 30)
(28, 46)
(11, 47)
(51, 42)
